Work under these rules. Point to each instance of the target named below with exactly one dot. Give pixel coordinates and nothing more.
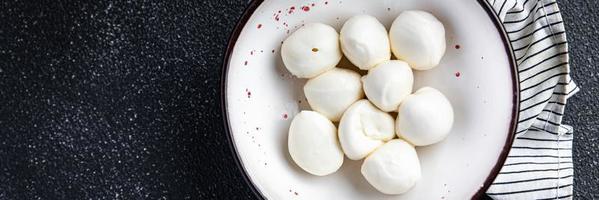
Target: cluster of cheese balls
(366, 130)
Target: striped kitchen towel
(539, 165)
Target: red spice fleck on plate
(259, 26)
(285, 116)
(277, 17)
(296, 193)
(388, 9)
(313, 4)
(252, 52)
(245, 63)
(305, 8)
(457, 46)
(326, 2)
(457, 74)
(273, 51)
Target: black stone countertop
(120, 100)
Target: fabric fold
(539, 165)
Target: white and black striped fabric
(539, 165)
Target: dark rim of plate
(254, 4)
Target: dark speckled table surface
(120, 100)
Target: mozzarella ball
(311, 50)
(332, 92)
(364, 41)
(393, 168)
(313, 144)
(387, 84)
(363, 128)
(424, 117)
(418, 38)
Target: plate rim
(487, 7)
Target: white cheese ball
(393, 168)
(364, 41)
(311, 50)
(332, 92)
(313, 144)
(387, 84)
(424, 117)
(363, 128)
(418, 38)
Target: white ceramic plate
(260, 97)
